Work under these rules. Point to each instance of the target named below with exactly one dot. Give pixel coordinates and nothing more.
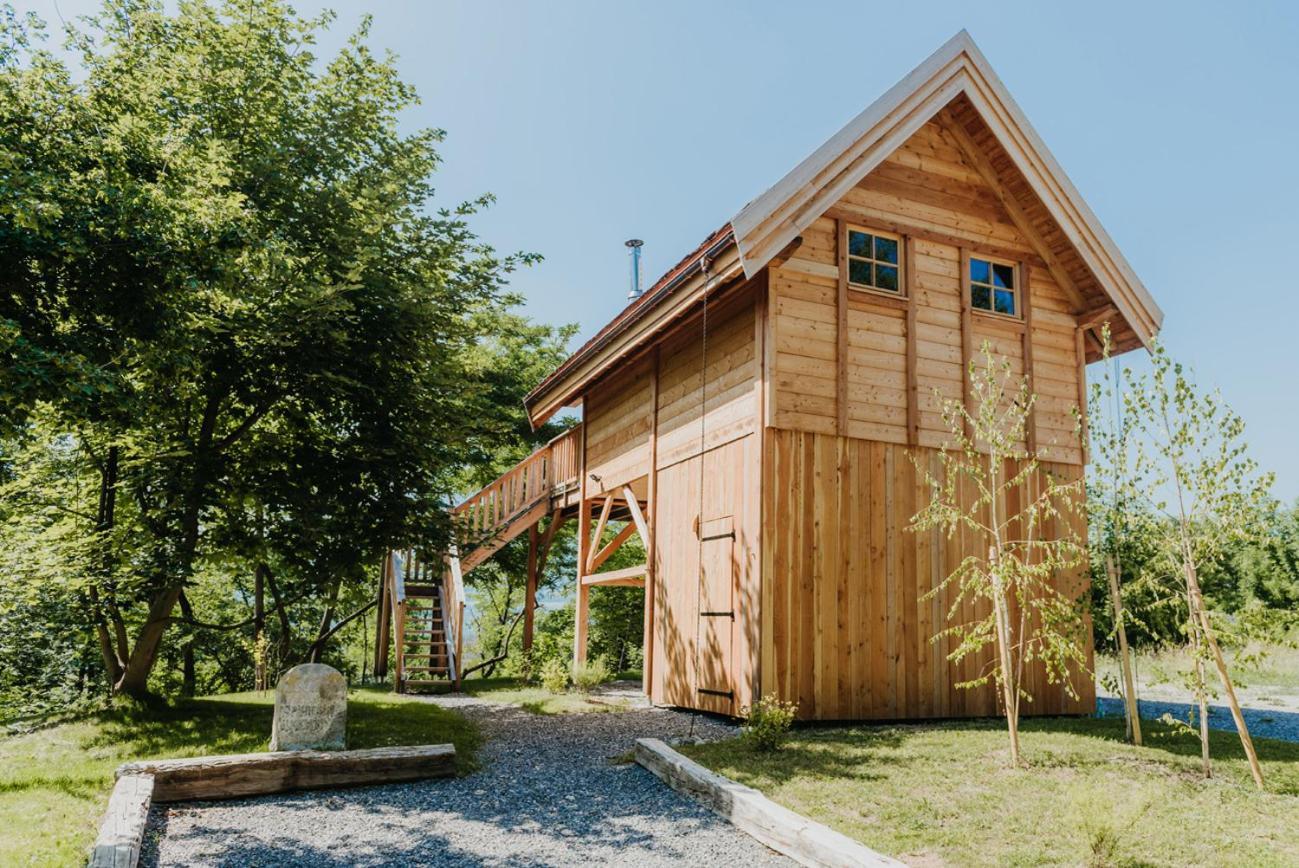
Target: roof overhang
(771, 221)
(713, 264)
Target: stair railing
(543, 474)
(401, 562)
(453, 613)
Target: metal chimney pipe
(635, 244)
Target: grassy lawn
(538, 700)
(54, 782)
(942, 794)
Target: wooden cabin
(751, 416)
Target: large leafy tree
(223, 279)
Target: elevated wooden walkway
(424, 598)
(545, 482)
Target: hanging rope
(703, 430)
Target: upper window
(873, 260)
(993, 287)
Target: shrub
(590, 674)
(767, 723)
(554, 675)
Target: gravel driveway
(546, 795)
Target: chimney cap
(634, 242)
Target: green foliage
(989, 489)
(235, 333)
(767, 723)
(1176, 483)
(590, 674)
(554, 675)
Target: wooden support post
(967, 338)
(1081, 349)
(841, 331)
(913, 378)
(581, 608)
(383, 619)
(530, 588)
(652, 496)
(593, 546)
(1026, 303)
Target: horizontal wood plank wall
(619, 420)
(851, 626)
(710, 463)
(929, 192)
(732, 408)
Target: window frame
(1015, 291)
(900, 265)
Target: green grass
(538, 700)
(944, 794)
(54, 783)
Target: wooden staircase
(428, 620)
(425, 600)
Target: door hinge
(729, 694)
(729, 613)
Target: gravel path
(1262, 722)
(546, 795)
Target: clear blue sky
(594, 122)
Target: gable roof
(957, 82)
(957, 75)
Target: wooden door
(715, 650)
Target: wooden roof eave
(637, 334)
(769, 222)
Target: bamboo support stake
(1125, 657)
(1197, 601)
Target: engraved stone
(310, 709)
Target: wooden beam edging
(805, 841)
(139, 784)
(122, 832)
(251, 774)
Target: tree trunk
(1202, 701)
(113, 653)
(1009, 690)
(187, 667)
(135, 675)
(286, 626)
(112, 663)
(318, 646)
(1131, 711)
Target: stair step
(437, 670)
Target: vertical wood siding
(853, 623)
(708, 473)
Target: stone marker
(310, 709)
